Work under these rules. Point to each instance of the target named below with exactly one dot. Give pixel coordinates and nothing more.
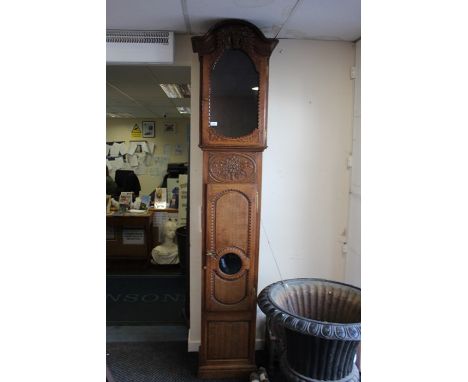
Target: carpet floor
(154, 362)
(145, 300)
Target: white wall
(353, 257)
(305, 175)
(196, 195)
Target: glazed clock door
(230, 242)
(231, 103)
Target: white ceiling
(134, 90)
(293, 19)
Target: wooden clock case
(234, 54)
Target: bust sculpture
(167, 252)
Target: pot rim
(301, 324)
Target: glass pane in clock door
(234, 95)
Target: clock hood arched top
(234, 57)
(234, 34)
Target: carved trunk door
(230, 242)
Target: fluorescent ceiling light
(176, 90)
(183, 109)
(255, 88)
(126, 115)
(120, 115)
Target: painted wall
(118, 129)
(196, 195)
(353, 256)
(305, 174)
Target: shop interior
(147, 189)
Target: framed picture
(148, 129)
(169, 128)
(160, 198)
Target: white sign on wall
(183, 198)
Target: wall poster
(149, 129)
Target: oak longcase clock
(234, 57)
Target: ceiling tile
(324, 20)
(135, 89)
(145, 15)
(306, 19)
(114, 96)
(170, 74)
(267, 15)
(136, 110)
(136, 82)
(161, 111)
(181, 102)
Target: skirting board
(193, 346)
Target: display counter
(170, 210)
(129, 236)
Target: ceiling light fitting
(183, 110)
(176, 90)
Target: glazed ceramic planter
(320, 328)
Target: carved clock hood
(234, 59)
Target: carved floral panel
(232, 168)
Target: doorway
(147, 141)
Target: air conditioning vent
(145, 47)
(143, 37)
